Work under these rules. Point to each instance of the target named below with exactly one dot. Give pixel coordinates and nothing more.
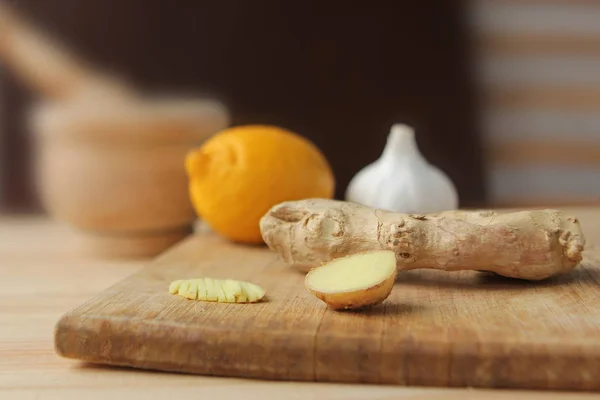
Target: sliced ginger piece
(183, 287)
(174, 286)
(236, 288)
(230, 294)
(211, 290)
(355, 281)
(243, 297)
(201, 289)
(192, 292)
(254, 293)
(217, 290)
(221, 298)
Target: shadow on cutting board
(486, 281)
(387, 308)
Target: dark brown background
(338, 72)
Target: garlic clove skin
(401, 180)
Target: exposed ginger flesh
(357, 272)
(530, 244)
(355, 281)
(217, 290)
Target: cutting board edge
(77, 337)
(72, 339)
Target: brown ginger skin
(530, 245)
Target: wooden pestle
(47, 68)
(109, 160)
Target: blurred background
(504, 94)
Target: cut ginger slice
(355, 281)
(217, 290)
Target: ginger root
(222, 291)
(356, 281)
(530, 245)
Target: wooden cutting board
(441, 329)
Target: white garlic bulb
(401, 180)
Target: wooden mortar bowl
(116, 172)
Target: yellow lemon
(236, 176)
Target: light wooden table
(42, 276)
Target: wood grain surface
(43, 275)
(462, 329)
